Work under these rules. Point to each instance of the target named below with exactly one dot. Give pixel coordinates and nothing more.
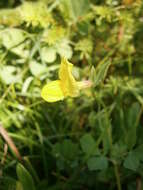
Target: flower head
(65, 86)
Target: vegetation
(94, 140)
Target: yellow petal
(52, 91)
(68, 82)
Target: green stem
(118, 181)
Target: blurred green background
(91, 142)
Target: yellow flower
(65, 86)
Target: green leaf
(64, 49)
(56, 150)
(83, 28)
(131, 162)
(62, 150)
(19, 186)
(25, 178)
(106, 129)
(69, 145)
(92, 118)
(133, 114)
(101, 72)
(26, 84)
(10, 17)
(97, 163)
(79, 8)
(48, 54)
(88, 145)
(21, 51)
(36, 68)
(139, 152)
(12, 37)
(10, 74)
(132, 125)
(118, 150)
(73, 9)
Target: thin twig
(138, 183)
(5, 153)
(10, 142)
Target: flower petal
(68, 82)
(52, 91)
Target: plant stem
(118, 181)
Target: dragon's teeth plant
(65, 86)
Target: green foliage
(131, 162)
(94, 141)
(88, 145)
(72, 10)
(97, 163)
(24, 178)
